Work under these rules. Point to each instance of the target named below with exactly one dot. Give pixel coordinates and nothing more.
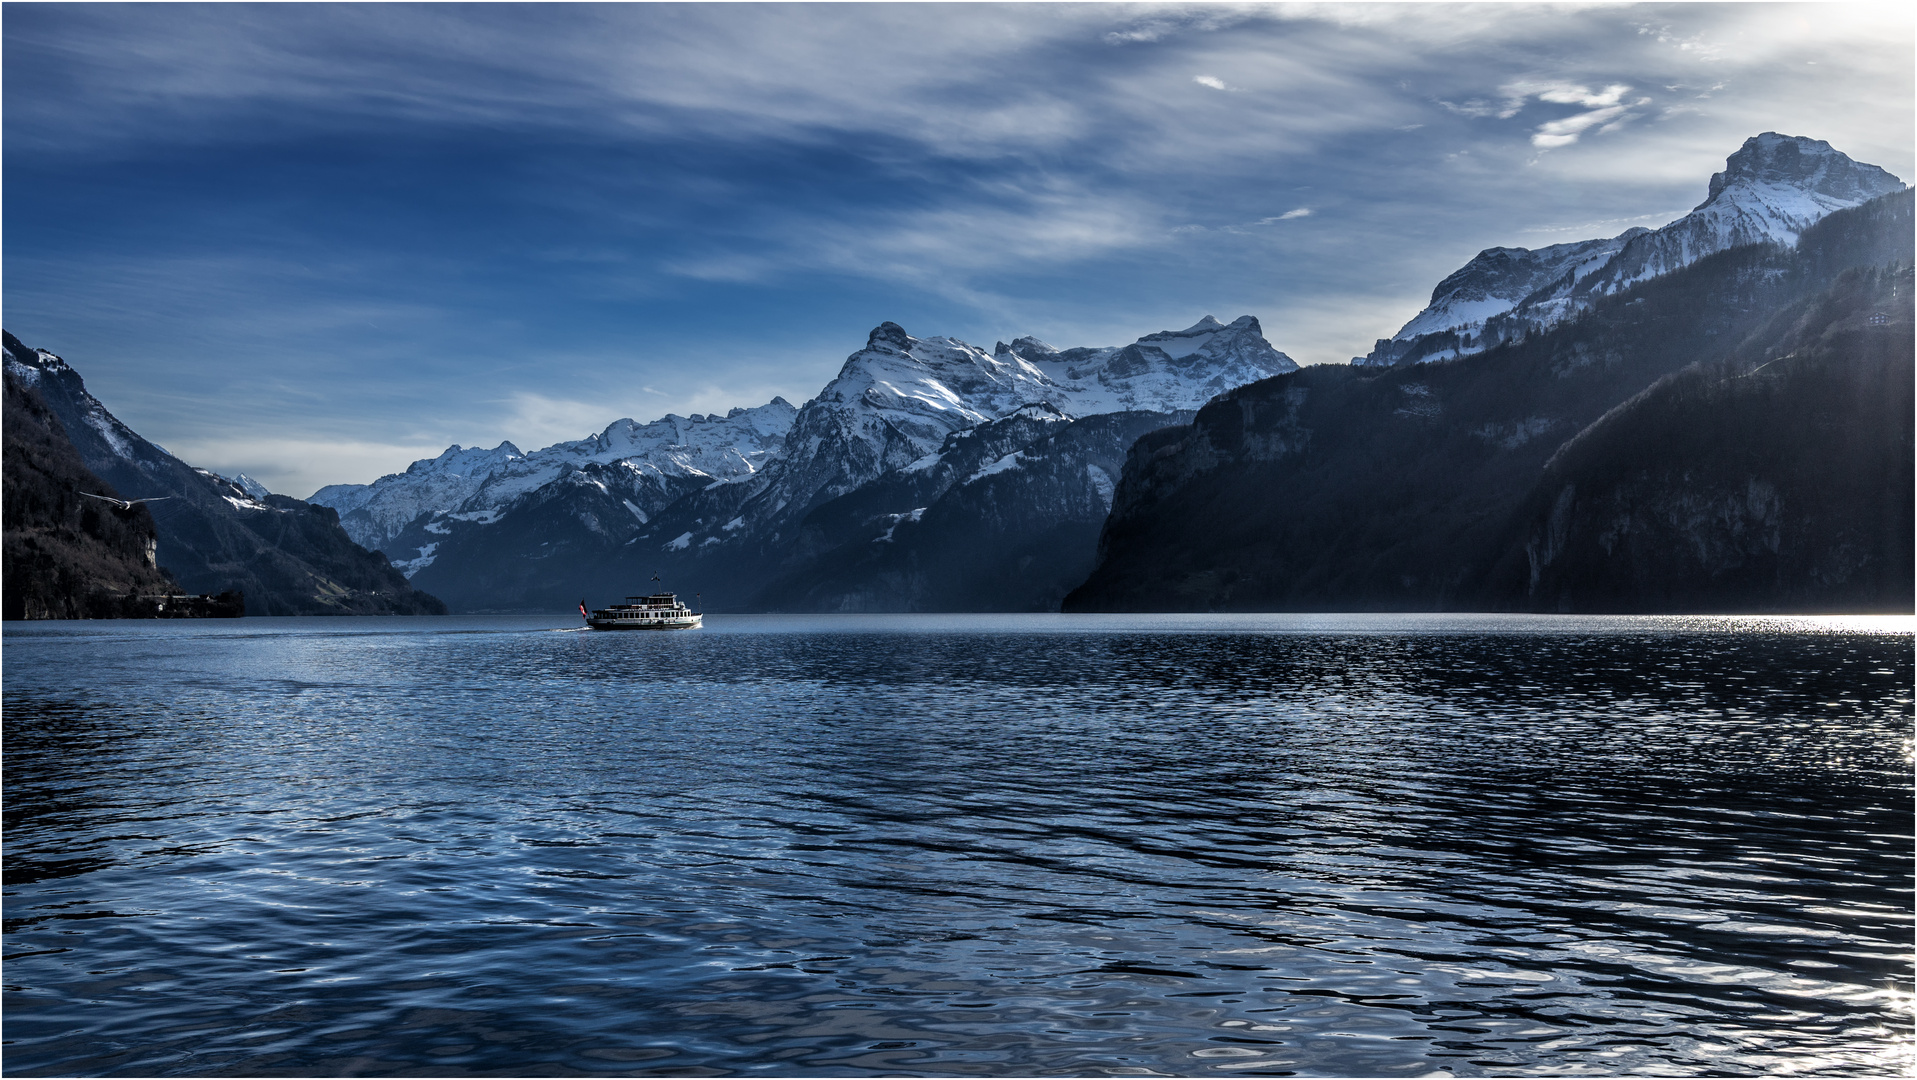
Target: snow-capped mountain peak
(1165, 371)
(1770, 190)
(30, 366)
(253, 488)
(461, 461)
(956, 381)
(1176, 343)
(895, 402)
(1243, 340)
(1029, 347)
(1809, 167)
(934, 385)
(1773, 188)
(888, 337)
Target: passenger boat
(660, 611)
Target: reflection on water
(1195, 845)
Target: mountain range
(835, 505)
(932, 474)
(1565, 428)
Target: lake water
(980, 845)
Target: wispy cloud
(1039, 222)
(1246, 227)
(1555, 133)
(1172, 21)
(539, 419)
(1475, 108)
(1701, 45)
(1605, 108)
(1561, 93)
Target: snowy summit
(1771, 189)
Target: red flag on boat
(582, 610)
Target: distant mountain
(1771, 189)
(659, 462)
(885, 434)
(1769, 471)
(288, 557)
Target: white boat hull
(642, 623)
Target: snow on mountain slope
(895, 401)
(454, 471)
(64, 388)
(920, 388)
(475, 481)
(892, 403)
(253, 488)
(1771, 189)
(120, 439)
(371, 513)
(1162, 372)
(1499, 279)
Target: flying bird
(125, 504)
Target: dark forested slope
(1786, 487)
(1337, 488)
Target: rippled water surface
(973, 845)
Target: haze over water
(968, 845)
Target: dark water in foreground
(937, 846)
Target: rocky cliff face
(288, 557)
(1352, 489)
(1771, 190)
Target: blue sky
(315, 242)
